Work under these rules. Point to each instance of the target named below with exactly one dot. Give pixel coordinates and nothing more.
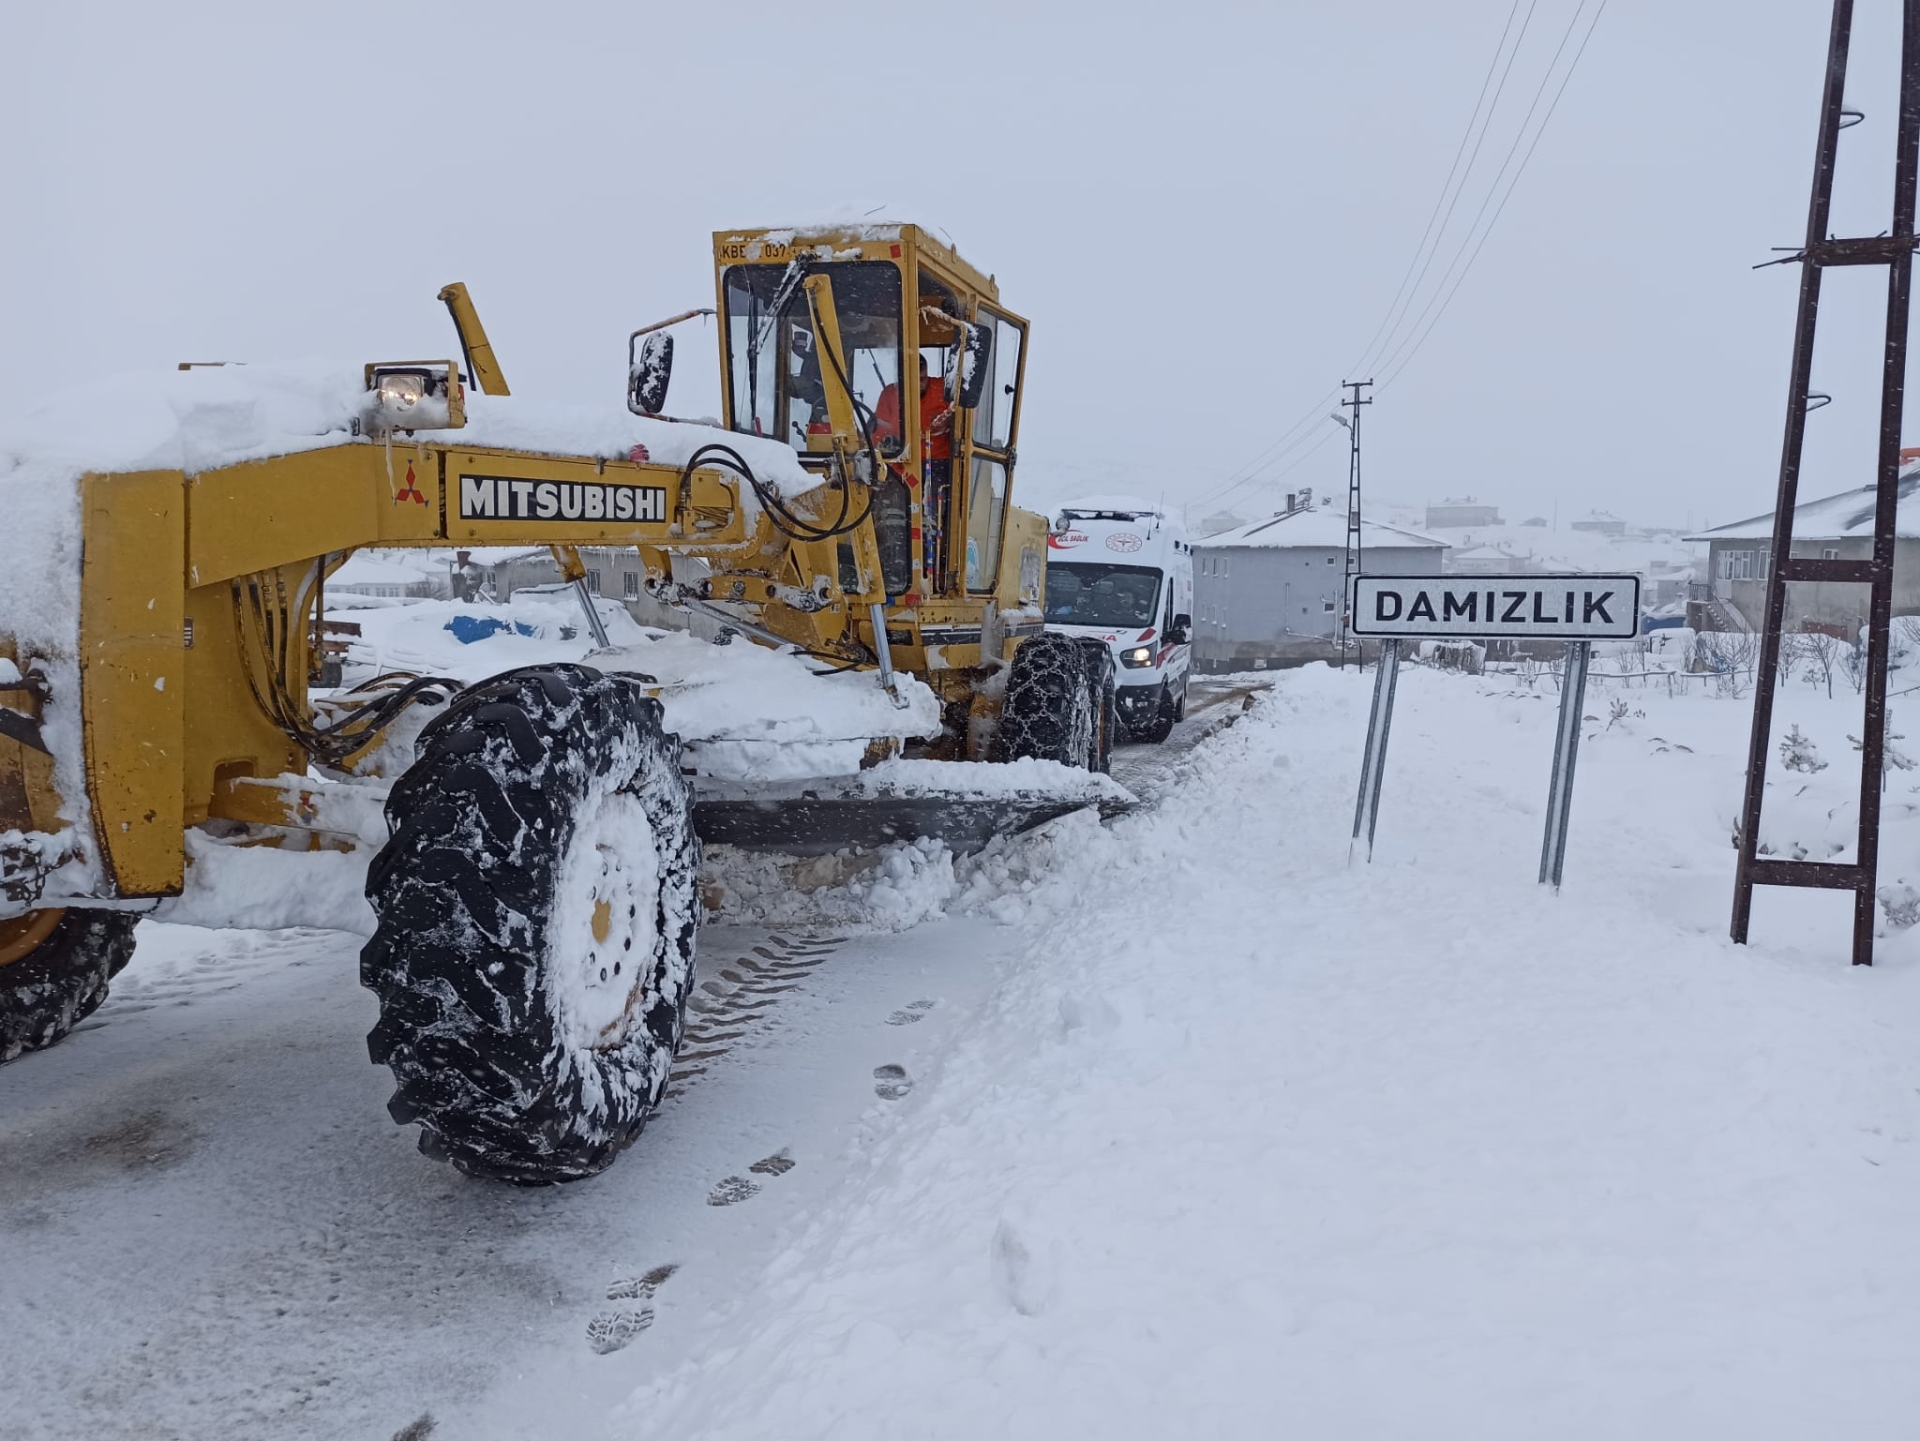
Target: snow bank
(1251, 1142)
(752, 713)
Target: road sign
(1530, 607)
(1578, 609)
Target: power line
(1465, 175)
(1394, 369)
(1299, 431)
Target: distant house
(612, 571)
(1461, 515)
(1490, 560)
(1599, 522)
(382, 577)
(1836, 527)
(1220, 520)
(1268, 593)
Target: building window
(1736, 565)
(593, 581)
(630, 584)
(1327, 605)
(1331, 561)
(1830, 552)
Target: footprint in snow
(735, 1189)
(891, 1082)
(614, 1330)
(641, 1288)
(731, 1191)
(910, 1013)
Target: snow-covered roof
(363, 569)
(1320, 529)
(1833, 517)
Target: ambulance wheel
(1048, 713)
(1160, 726)
(54, 970)
(536, 911)
(1102, 688)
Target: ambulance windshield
(1103, 595)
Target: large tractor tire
(56, 968)
(1103, 686)
(537, 910)
(1049, 708)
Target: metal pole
(1906, 186)
(596, 627)
(1819, 205)
(1353, 559)
(1373, 765)
(1566, 750)
(883, 652)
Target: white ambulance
(1120, 569)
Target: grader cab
(535, 898)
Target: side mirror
(975, 370)
(648, 376)
(1180, 632)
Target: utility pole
(1355, 400)
(1893, 248)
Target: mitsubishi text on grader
(536, 897)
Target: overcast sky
(1204, 209)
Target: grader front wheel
(537, 910)
(54, 970)
(1049, 711)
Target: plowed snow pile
(1253, 1143)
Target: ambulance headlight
(414, 396)
(1140, 655)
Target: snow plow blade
(811, 818)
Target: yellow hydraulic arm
(481, 366)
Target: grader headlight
(415, 395)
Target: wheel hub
(605, 922)
(21, 936)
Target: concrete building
(1600, 522)
(1837, 527)
(1464, 514)
(1268, 593)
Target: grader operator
(535, 899)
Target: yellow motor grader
(536, 899)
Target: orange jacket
(933, 405)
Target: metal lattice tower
(1895, 251)
(1355, 400)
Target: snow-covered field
(1179, 1126)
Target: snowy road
(1213, 1134)
(212, 1229)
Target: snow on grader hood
(160, 651)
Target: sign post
(1566, 749)
(1374, 764)
(1577, 609)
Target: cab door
(993, 430)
